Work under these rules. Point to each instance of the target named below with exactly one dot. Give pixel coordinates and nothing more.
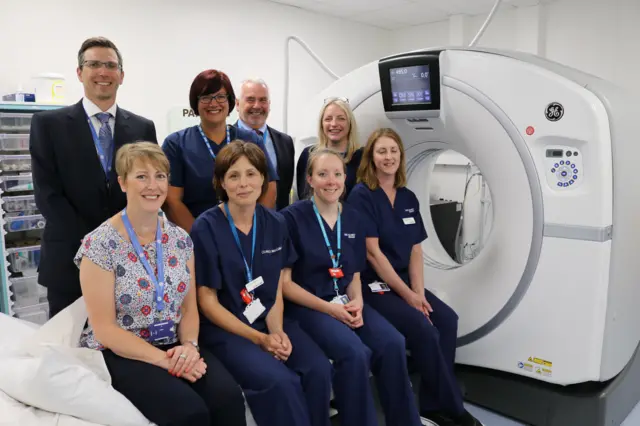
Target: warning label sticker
(540, 361)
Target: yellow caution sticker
(540, 361)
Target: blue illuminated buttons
(553, 170)
(562, 162)
(571, 182)
(565, 184)
(556, 165)
(575, 171)
(563, 174)
(575, 176)
(559, 183)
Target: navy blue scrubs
(398, 228)
(296, 392)
(301, 173)
(376, 346)
(192, 165)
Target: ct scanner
(549, 317)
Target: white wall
(165, 44)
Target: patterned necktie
(106, 140)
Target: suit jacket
(71, 190)
(283, 145)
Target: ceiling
(395, 14)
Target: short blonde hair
(367, 169)
(147, 152)
(352, 136)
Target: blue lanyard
(208, 144)
(248, 270)
(335, 260)
(106, 162)
(158, 282)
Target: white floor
(492, 419)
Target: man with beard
(253, 106)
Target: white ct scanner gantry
(550, 308)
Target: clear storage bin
(24, 260)
(38, 314)
(15, 163)
(15, 122)
(14, 142)
(24, 223)
(19, 203)
(16, 183)
(27, 292)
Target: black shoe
(438, 418)
(466, 419)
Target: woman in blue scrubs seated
(324, 288)
(241, 249)
(337, 131)
(394, 280)
(192, 151)
(143, 314)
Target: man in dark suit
(72, 156)
(253, 105)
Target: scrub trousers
(214, 400)
(432, 346)
(294, 393)
(377, 347)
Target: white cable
(286, 73)
(486, 23)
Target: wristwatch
(195, 344)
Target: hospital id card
(162, 331)
(409, 221)
(341, 300)
(253, 310)
(253, 284)
(377, 287)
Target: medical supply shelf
(20, 220)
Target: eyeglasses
(336, 98)
(94, 65)
(206, 99)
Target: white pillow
(57, 382)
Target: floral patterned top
(134, 290)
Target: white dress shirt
(92, 109)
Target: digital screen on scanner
(410, 85)
(554, 153)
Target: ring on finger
(183, 356)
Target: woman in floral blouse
(143, 314)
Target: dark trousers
(59, 300)
(432, 346)
(294, 393)
(377, 347)
(165, 400)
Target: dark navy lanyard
(106, 162)
(208, 144)
(158, 282)
(248, 270)
(335, 260)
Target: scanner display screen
(411, 85)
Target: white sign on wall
(180, 117)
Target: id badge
(409, 221)
(162, 331)
(378, 287)
(341, 300)
(254, 310)
(253, 284)
(336, 272)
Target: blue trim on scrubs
(293, 393)
(432, 346)
(301, 172)
(192, 166)
(376, 346)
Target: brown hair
(229, 155)
(367, 169)
(208, 82)
(147, 152)
(352, 136)
(97, 42)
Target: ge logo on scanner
(554, 112)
